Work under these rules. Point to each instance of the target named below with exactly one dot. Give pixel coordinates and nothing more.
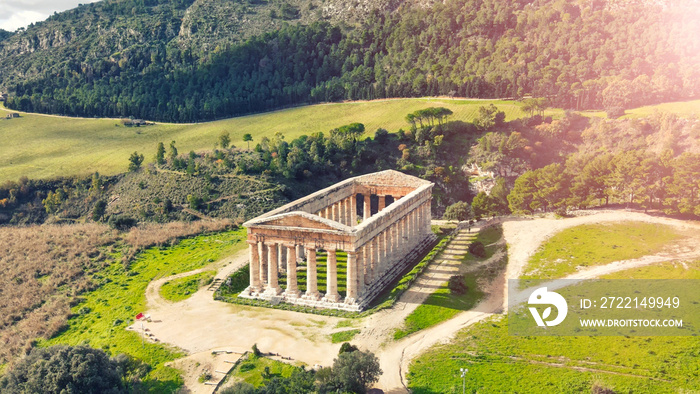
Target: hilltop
(185, 61)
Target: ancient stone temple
(376, 223)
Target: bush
(121, 222)
(457, 285)
(256, 351)
(346, 347)
(477, 249)
(204, 377)
(64, 369)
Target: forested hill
(184, 61)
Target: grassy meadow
(597, 244)
(100, 321)
(182, 288)
(42, 146)
(499, 362)
(252, 369)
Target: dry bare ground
(43, 269)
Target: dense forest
(133, 58)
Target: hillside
(72, 146)
(189, 61)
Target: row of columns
(365, 265)
(264, 262)
(345, 210)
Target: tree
(160, 154)
(459, 211)
(355, 371)
(247, 138)
(99, 210)
(482, 205)
(489, 117)
(521, 197)
(225, 139)
(64, 369)
(135, 161)
(172, 154)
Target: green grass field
(251, 370)
(101, 320)
(681, 108)
(182, 288)
(499, 362)
(597, 244)
(40, 146)
(344, 336)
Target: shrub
(121, 222)
(256, 351)
(64, 369)
(457, 285)
(477, 249)
(346, 347)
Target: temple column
(281, 258)
(367, 207)
(351, 285)
(254, 266)
(292, 290)
(328, 212)
(382, 203)
(374, 259)
(411, 229)
(311, 276)
(428, 217)
(381, 246)
(331, 277)
(300, 253)
(353, 210)
(390, 238)
(262, 258)
(272, 283)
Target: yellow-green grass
(344, 336)
(681, 108)
(597, 244)
(499, 362)
(41, 146)
(101, 320)
(182, 288)
(489, 237)
(251, 370)
(440, 306)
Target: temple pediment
(300, 220)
